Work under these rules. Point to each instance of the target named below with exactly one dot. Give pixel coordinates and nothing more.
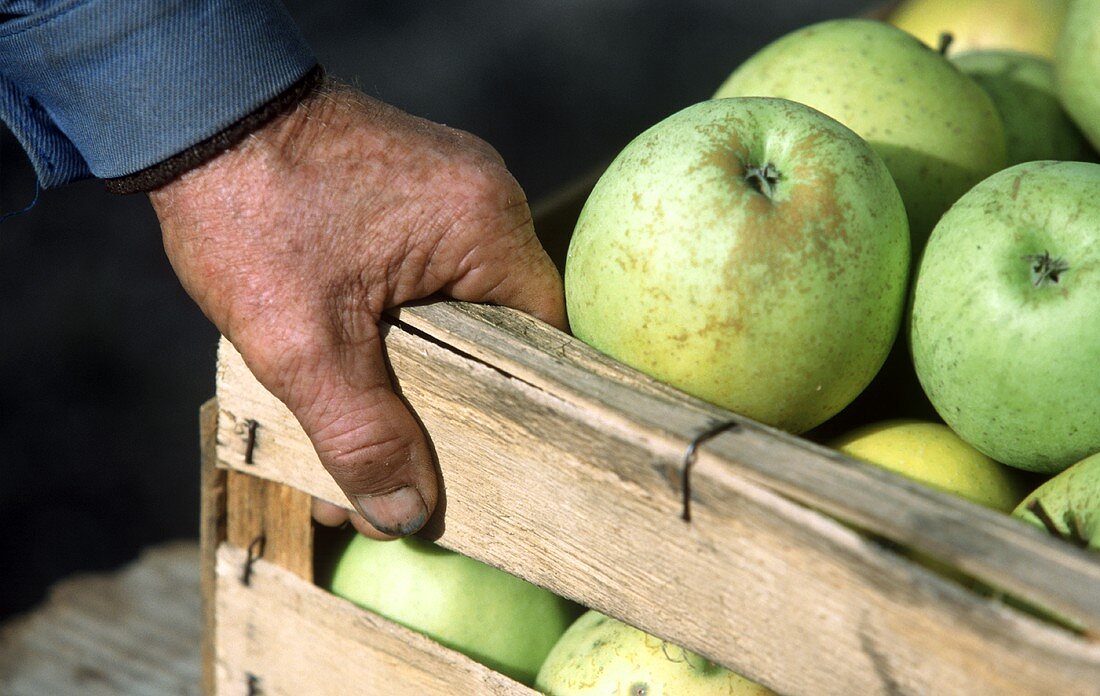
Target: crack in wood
(879, 662)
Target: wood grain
(211, 532)
(992, 547)
(563, 467)
(289, 637)
(271, 519)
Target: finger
(366, 529)
(328, 514)
(515, 271)
(534, 286)
(364, 434)
(369, 441)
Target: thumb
(365, 436)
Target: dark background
(104, 360)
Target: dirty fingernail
(397, 513)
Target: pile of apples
(888, 245)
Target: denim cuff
(162, 173)
(112, 87)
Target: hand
(295, 241)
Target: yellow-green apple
(934, 455)
(751, 252)
(1068, 504)
(1030, 26)
(491, 616)
(601, 656)
(1004, 329)
(1023, 88)
(937, 130)
(1077, 67)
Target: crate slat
(988, 545)
(212, 531)
(272, 518)
(281, 635)
(564, 468)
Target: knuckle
(491, 201)
(468, 142)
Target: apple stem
(1075, 535)
(1036, 508)
(946, 39)
(763, 179)
(1076, 532)
(1045, 269)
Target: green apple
(493, 617)
(602, 656)
(1077, 67)
(1004, 329)
(751, 252)
(1029, 26)
(1023, 88)
(1068, 505)
(934, 455)
(894, 393)
(937, 130)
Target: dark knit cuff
(163, 172)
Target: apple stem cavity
(946, 39)
(1045, 269)
(763, 179)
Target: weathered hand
(295, 241)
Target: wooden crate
(579, 474)
(571, 470)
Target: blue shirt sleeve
(111, 87)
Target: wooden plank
(212, 531)
(271, 519)
(135, 631)
(283, 635)
(992, 547)
(563, 469)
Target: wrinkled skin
(295, 241)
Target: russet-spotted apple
(601, 656)
(751, 252)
